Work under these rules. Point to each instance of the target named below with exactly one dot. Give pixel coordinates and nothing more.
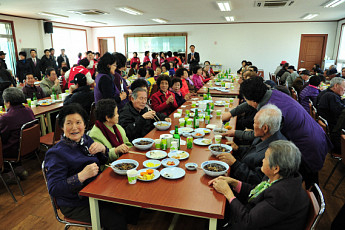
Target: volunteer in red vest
(92, 62)
(69, 75)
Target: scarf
(115, 139)
(259, 189)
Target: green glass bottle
(196, 119)
(208, 94)
(53, 94)
(34, 98)
(176, 137)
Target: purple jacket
(105, 87)
(120, 84)
(301, 129)
(309, 92)
(10, 124)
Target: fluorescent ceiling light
(224, 6)
(333, 3)
(52, 15)
(159, 20)
(230, 18)
(96, 22)
(129, 10)
(309, 16)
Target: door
(103, 46)
(312, 50)
(106, 44)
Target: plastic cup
(67, 91)
(182, 122)
(174, 146)
(29, 102)
(132, 176)
(158, 143)
(219, 113)
(218, 139)
(193, 104)
(179, 111)
(187, 112)
(1, 108)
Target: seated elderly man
(30, 88)
(246, 162)
(278, 202)
(136, 118)
(298, 125)
(302, 81)
(331, 107)
(50, 83)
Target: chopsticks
(137, 153)
(155, 117)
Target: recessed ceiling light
(333, 3)
(224, 6)
(159, 20)
(52, 15)
(96, 22)
(230, 18)
(309, 16)
(130, 10)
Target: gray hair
(336, 81)
(14, 96)
(271, 116)
(135, 92)
(286, 155)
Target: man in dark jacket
(35, 64)
(135, 117)
(246, 162)
(82, 95)
(22, 67)
(63, 58)
(2, 60)
(302, 81)
(30, 88)
(193, 58)
(46, 61)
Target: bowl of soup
(162, 125)
(214, 168)
(122, 166)
(217, 149)
(143, 143)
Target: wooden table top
(189, 195)
(213, 92)
(38, 110)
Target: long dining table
(189, 195)
(217, 93)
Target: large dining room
(162, 115)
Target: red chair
(1, 171)
(52, 138)
(67, 221)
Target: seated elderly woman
(136, 118)
(246, 162)
(72, 164)
(279, 200)
(10, 125)
(163, 100)
(106, 130)
(176, 89)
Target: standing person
(2, 60)
(53, 58)
(63, 58)
(193, 58)
(35, 64)
(135, 59)
(22, 67)
(120, 83)
(162, 58)
(177, 59)
(79, 57)
(104, 85)
(46, 61)
(30, 88)
(92, 62)
(97, 56)
(50, 83)
(81, 68)
(147, 56)
(155, 61)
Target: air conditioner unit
(273, 4)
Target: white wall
(265, 44)
(337, 38)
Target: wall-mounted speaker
(48, 27)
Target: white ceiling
(175, 11)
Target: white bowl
(165, 161)
(214, 174)
(162, 128)
(123, 172)
(143, 147)
(228, 149)
(195, 136)
(191, 166)
(152, 161)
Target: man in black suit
(2, 60)
(63, 58)
(46, 61)
(35, 64)
(193, 58)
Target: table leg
(49, 123)
(213, 224)
(173, 222)
(43, 124)
(94, 210)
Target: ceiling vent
(273, 4)
(89, 12)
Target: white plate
(219, 103)
(155, 172)
(183, 130)
(199, 141)
(166, 160)
(160, 156)
(152, 161)
(179, 153)
(44, 101)
(206, 131)
(172, 173)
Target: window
(72, 40)
(155, 43)
(7, 44)
(341, 50)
